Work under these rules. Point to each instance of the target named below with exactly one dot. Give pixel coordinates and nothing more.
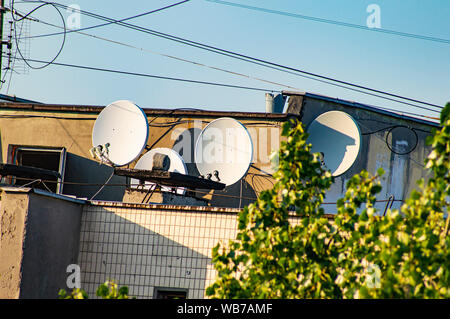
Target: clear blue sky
(410, 67)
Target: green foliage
(75, 294)
(110, 290)
(107, 290)
(403, 254)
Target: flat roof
(28, 190)
(95, 109)
(185, 208)
(368, 107)
(193, 112)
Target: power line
(65, 31)
(108, 23)
(17, 116)
(407, 113)
(254, 61)
(240, 56)
(166, 55)
(155, 76)
(135, 185)
(141, 49)
(224, 70)
(334, 22)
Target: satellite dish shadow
(83, 170)
(185, 146)
(333, 144)
(220, 198)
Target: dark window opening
(162, 293)
(46, 160)
(49, 159)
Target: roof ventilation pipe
(275, 104)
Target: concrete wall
(13, 211)
(40, 238)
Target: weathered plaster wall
(13, 210)
(40, 238)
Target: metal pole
(2, 12)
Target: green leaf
(445, 113)
(102, 290)
(123, 290)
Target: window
(170, 293)
(40, 157)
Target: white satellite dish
(122, 129)
(336, 135)
(177, 165)
(224, 149)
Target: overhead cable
(167, 55)
(241, 56)
(228, 71)
(333, 22)
(104, 24)
(91, 68)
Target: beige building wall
(146, 247)
(39, 239)
(71, 127)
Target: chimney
(275, 104)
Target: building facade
(159, 249)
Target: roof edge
(30, 190)
(93, 109)
(367, 107)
